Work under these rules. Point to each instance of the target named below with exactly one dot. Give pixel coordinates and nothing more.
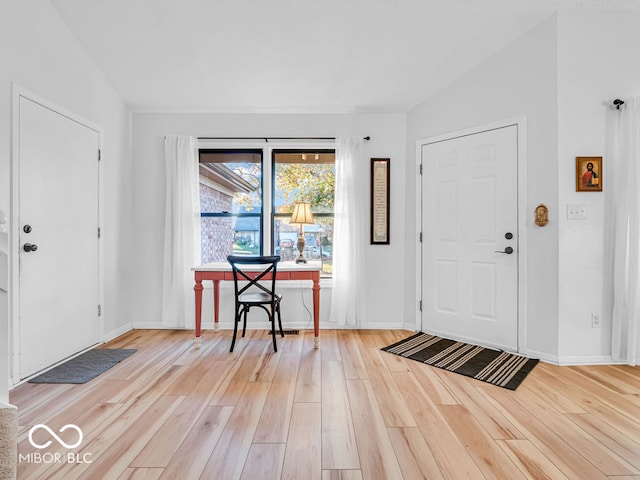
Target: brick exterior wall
(216, 233)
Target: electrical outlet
(595, 320)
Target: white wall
(384, 266)
(597, 62)
(38, 53)
(519, 80)
(561, 76)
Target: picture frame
(380, 201)
(588, 174)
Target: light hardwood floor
(346, 411)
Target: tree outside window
(304, 176)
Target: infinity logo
(60, 441)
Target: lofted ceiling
(318, 56)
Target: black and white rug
(497, 367)
(85, 367)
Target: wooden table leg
(216, 303)
(198, 289)
(316, 310)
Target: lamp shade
(302, 214)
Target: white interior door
(470, 238)
(58, 213)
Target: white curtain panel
(181, 230)
(622, 230)
(347, 305)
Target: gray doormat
(84, 367)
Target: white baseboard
(543, 357)
(165, 326)
(227, 325)
(108, 336)
(572, 360)
(565, 360)
(576, 360)
(410, 327)
(384, 326)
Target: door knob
(507, 250)
(30, 247)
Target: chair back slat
(268, 266)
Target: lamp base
(300, 245)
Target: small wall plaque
(542, 215)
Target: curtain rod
(266, 139)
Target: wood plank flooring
(347, 411)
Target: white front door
(58, 237)
(470, 238)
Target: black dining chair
(252, 269)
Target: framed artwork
(380, 201)
(588, 174)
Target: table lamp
(301, 215)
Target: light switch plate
(576, 212)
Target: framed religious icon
(380, 201)
(588, 174)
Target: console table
(219, 271)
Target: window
(237, 217)
(304, 176)
(230, 203)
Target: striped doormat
(499, 368)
